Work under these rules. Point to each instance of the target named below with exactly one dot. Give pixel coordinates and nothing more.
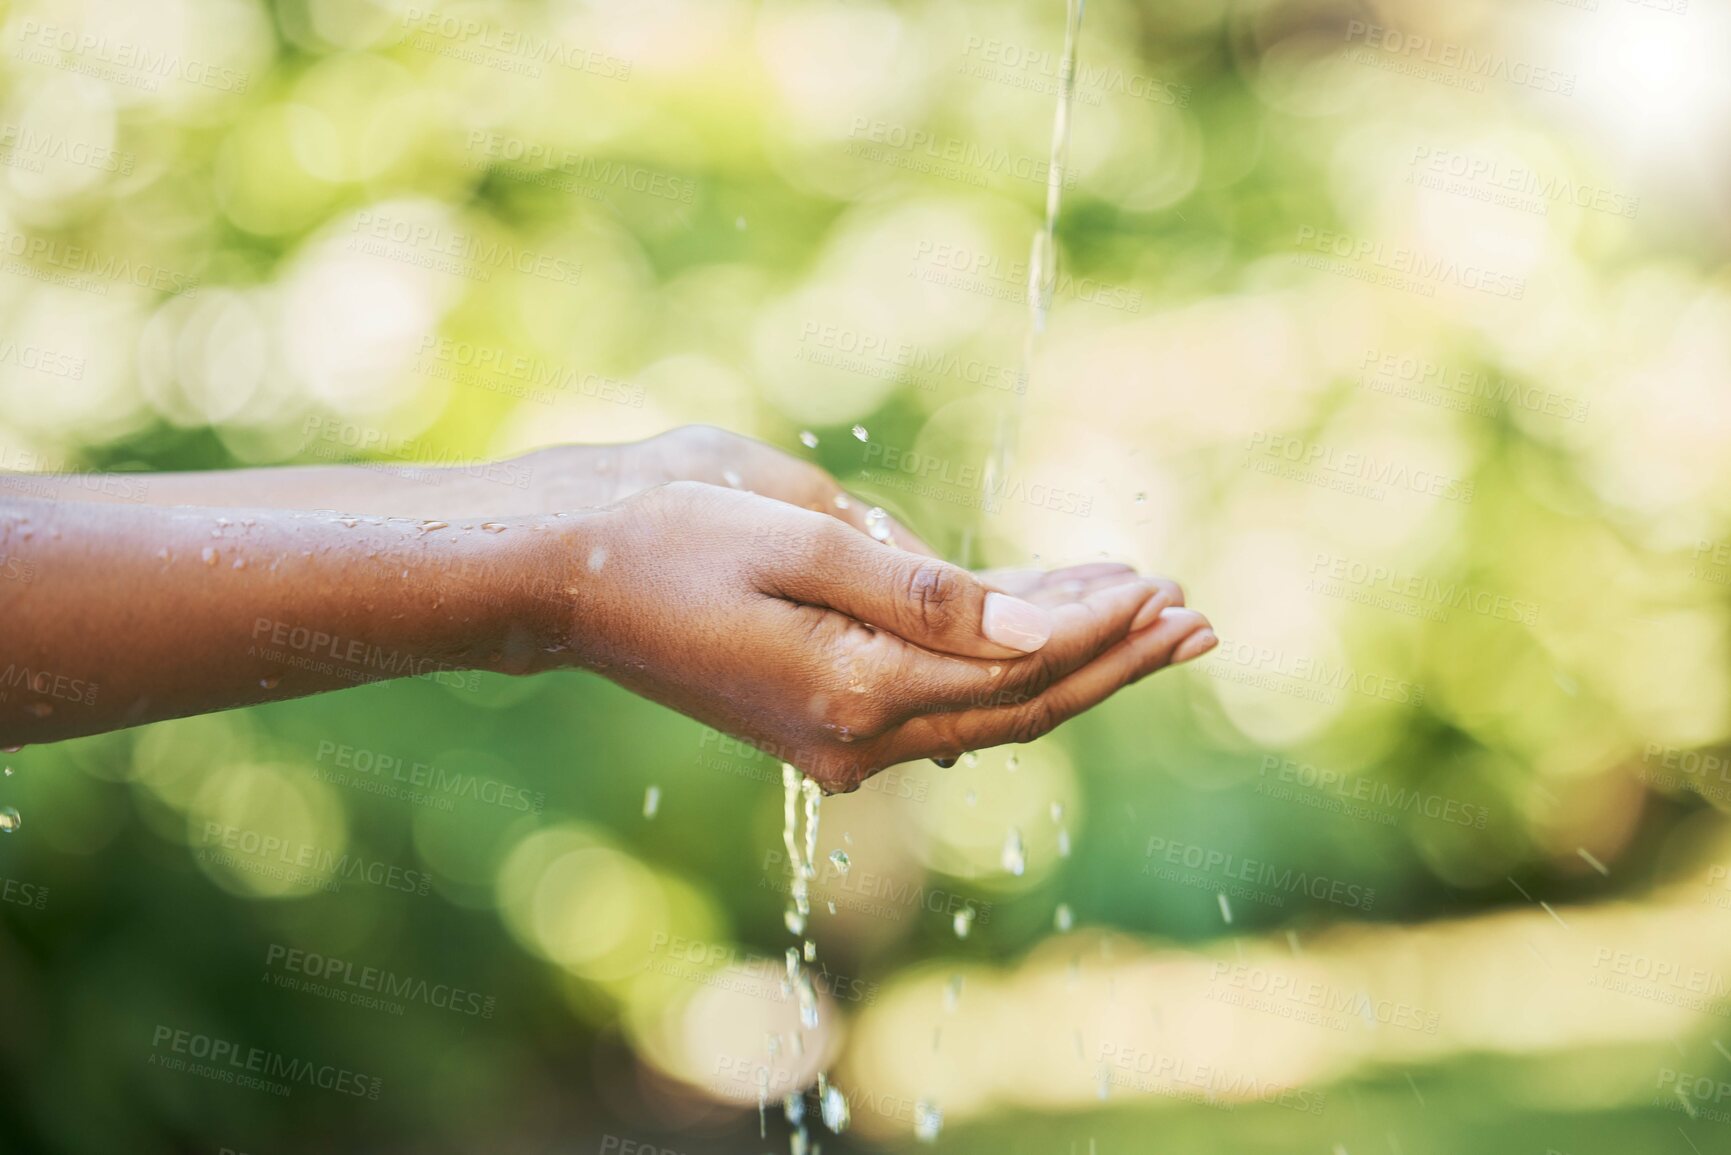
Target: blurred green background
(1400, 333)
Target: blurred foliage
(1408, 358)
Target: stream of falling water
(1042, 260)
(800, 795)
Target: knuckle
(934, 593)
(1032, 720)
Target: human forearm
(564, 477)
(133, 615)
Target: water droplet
(831, 905)
(1141, 499)
(1012, 763)
(808, 439)
(269, 683)
(794, 921)
(964, 921)
(239, 563)
(952, 994)
(492, 527)
(430, 526)
(162, 554)
(739, 223)
(348, 522)
(841, 501)
(651, 801)
(794, 1108)
(1062, 918)
(1015, 857)
(209, 555)
(840, 860)
(994, 671)
(1057, 812)
(970, 759)
(836, 1115)
(1063, 842)
(9, 820)
(1225, 908)
(38, 709)
(972, 798)
(11, 749)
(859, 433)
(928, 1121)
(8, 771)
(878, 523)
(597, 558)
(732, 478)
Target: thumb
(931, 603)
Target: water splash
(10, 820)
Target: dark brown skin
(752, 612)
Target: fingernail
(1150, 611)
(1196, 645)
(1015, 623)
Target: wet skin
(772, 614)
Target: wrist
(535, 571)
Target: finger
(930, 603)
(1082, 631)
(948, 735)
(1075, 579)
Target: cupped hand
(585, 476)
(843, 655)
